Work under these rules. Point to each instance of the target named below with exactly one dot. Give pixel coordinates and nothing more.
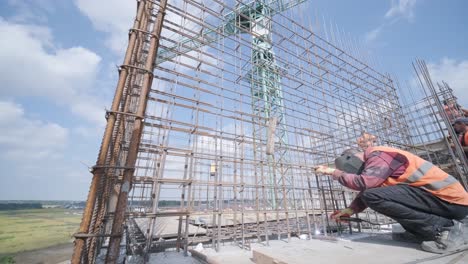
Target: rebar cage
(222, 110)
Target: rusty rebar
(106, 141)
(119, 215)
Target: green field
(22, 230)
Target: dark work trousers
(418, 211)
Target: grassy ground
(7, 260)
(22, 230)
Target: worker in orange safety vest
(453, 110)
(460, 126)
(425, 200)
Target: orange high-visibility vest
(423, 174)
(464, 139)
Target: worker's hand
(347, 212)
(324, 170)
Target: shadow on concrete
(386, 239)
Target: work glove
(347, 212)
(324, 170)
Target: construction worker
(366, 140)
(426, 201)
(453, 110)
(460, 126)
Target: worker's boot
(447, 240)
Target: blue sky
(58, 73)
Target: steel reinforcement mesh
(247, 98)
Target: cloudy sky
(58, 72)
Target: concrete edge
(263, 258)
(203, 257)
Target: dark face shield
(349, 163)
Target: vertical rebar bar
(119, 215)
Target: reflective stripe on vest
(441, 184)
(434, 186)
(420, 172)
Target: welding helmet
(348, 162)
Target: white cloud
(32, 10)
(41, 157)
(116, 23)
(26, 139)
(401, 8)
(373, 34)
(455, 74)
(31, 65)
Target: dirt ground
(50, 255)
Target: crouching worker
(425, 200)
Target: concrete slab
(227, 255)
(373, 249)
(171, 258)
(362, 249)
(163, 258)
(168, 226)
(249, 218)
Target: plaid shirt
(379, 166)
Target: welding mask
(349, 163)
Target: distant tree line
(167, 203)
(19, 206)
